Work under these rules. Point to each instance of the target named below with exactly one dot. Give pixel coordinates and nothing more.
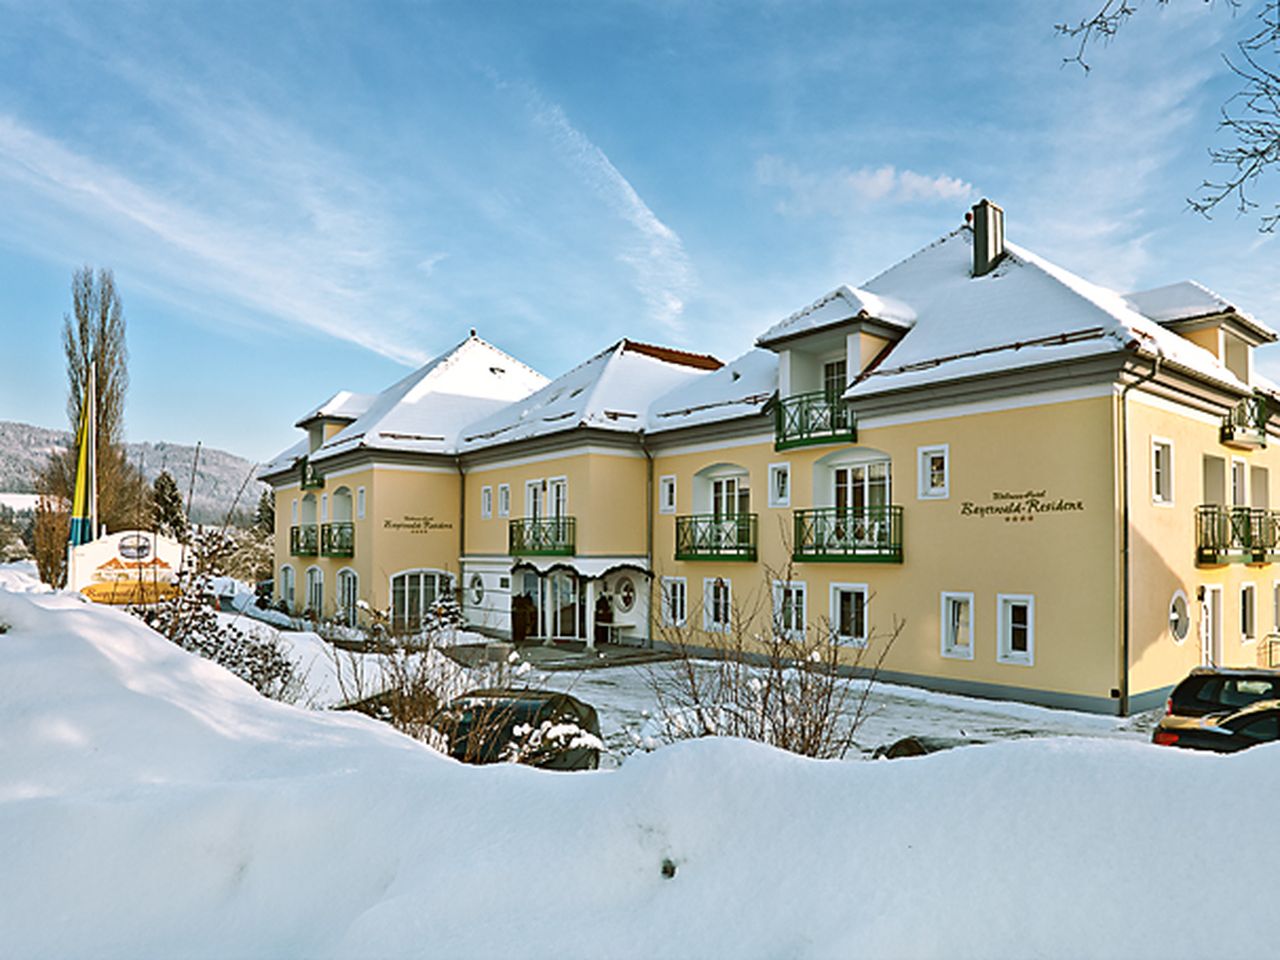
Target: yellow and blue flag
(81, 502)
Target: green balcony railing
(1245, 426)
(311, 479)
(872, 534)
(303, 540)
(707, 536)
(808, 418)
(338, 539)
(543, 536)
(1237, 534)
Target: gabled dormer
(821, 349)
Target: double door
(861, 498)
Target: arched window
(340, 508)
(413, 592)
(309, 509)
(285, 589)
(348, 595)
(315, 592)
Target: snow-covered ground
(152, 805)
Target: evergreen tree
(265, 516)
(167, 515)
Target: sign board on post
(134, 566)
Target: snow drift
(152, 805)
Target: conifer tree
(265, 516)
(167, 515)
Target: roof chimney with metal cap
(988, 237)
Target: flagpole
(93, 449)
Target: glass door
(861, 495)
(730, 502)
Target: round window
(1179, 617)
(477, 588)
(624, 592)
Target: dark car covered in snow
(542, 728)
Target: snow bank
(151, 805)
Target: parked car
(543, 728)
(1221, 690)
(1259, 722)
(918, 747)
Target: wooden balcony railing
(872, 534)
(303, 540)
(338, 539)
(808, 418)
(543, 536)
(1237, 534)
(707, 536)
(1245, 427)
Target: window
(933, 473)
(1179, 617)
(834, 379)
(849, 613)
(359, 503)
(789, 608)
(1248, 614)
(1275, 606)
(324, 508)
(348, 596)
(779, 484)
(286, 591)
(504, 499)
(294, 514)
(1239, 495)
(667, 495)
(476, 588)
(957, 625)
(717, 603)
(675, 601)
(413, 593)
(1161, 470)
(486, 503)
(1016, 619)
(315, 592)
(533, 499)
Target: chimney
(988, 237)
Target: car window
(1262, 728)
(1235, 691)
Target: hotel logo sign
(1021, 507)
(416, 524)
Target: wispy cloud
(836, 191)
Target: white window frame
(667, 504)
(709, 623)
(324, 508)
(792, 630)
(338, 599)
(1243, 464)
(668, 608)
(948, 649)
(550, 502)
(1248, 613)
(360, 503)
(924, 490)
(850, 640)
(306, 586)
(291, 581)
(504, 499)
(1161, 497)
(486, 502)
(1275, 606)
(776, 469)
(1004, 651)
(294, 512)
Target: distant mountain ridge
(25, 448)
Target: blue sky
(302, 198)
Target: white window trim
(708, 605)
(536, 487)
(667, 619)
(833, 594)
(1003, 653)
(294, 514)
(923, 490)
(1231, 481)
(504, 494)
(662, 500)
(799, 585)
(360, 503)
(947, 650)
(1155, 492)
(324, 508)
(1275, 606)
(486, 502)
(775, 501)
(293, 584)
(1252, 589)
(550, 502)
(1186, 601)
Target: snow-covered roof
(1026, 312)
(343, 405)
(1188, 300)
(610, 391)
(741, 388)
(427, 410)
(285, 459)
(844, 304)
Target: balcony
(707, 536)
(1245, 427)
(869, 535)
(311, 480)
(338, 539)
(303, 540)
(542, 537)
(809, 418)
(1236, 535)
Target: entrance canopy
(588, 568)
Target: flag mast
(93, 449)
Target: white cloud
(837, 191)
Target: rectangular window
(1161, 470)
(324, 508)
(1239, 483)
(789, 608)
(667, 494)
(675, 601)
(834, 379)
(1248, 614)
(486, 503)
(359, 503)
(849, 613)
(717, 603)
(957, 625)
(1016, 624)
(933, 473)
(294, 513)
(1275, 606)
(779, 484)
(504, 499)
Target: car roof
(504, 693)
(1235, 672)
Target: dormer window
(1235, 355)
(835, 378)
